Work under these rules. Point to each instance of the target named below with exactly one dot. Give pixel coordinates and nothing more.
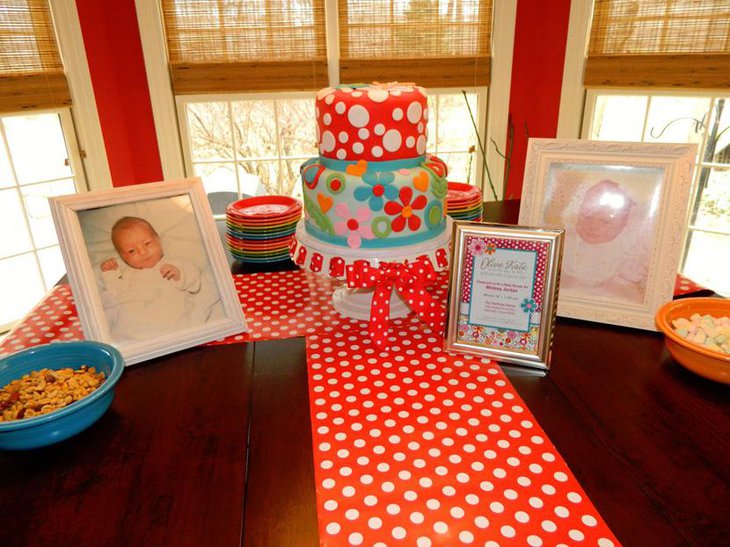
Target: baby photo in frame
(623, 207)
(147, 268)
(503, 292)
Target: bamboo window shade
(435, 43)
(230, 46)
(31, 71)
(659, 43)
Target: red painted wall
(116, 63)
(541, 32)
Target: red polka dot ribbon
(410, 279)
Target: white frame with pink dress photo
(147, 268)
(624, 209)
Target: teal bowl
(72, 419)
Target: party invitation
(503, 292)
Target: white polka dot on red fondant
(358, 115)
(392, 140)
(414, 112)
(328, 141)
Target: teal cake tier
(374, 205)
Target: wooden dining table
(213, 446)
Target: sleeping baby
(149, 293)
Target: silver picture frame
(503, 290)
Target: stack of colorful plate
(464, 202)
(259, 229)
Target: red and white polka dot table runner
(415, 446)
(276, 306)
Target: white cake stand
(356, 303)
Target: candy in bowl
(695, 335)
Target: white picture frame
(624, 209)
(135, 308)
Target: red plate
(261, 207)
(458, 192)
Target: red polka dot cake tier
(373, 192)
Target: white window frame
(493, 101)
(572, 92)
(90, 142)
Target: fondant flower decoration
(354, 226)
(405, 210)
(378, 185)
(477, 246)
(528, 305)
(491, 248)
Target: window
(244, 77)
(38, 155)
(696, 118)
(252, 146)
(650, 46)
(35, 164)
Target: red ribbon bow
(410, 279)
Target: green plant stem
(481, 148)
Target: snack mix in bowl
(42, 391)
(51, 392)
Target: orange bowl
(711, 364)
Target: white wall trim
(572, 94)
(85, 115)
(332, 29)
(503, 37)
(162, 98)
